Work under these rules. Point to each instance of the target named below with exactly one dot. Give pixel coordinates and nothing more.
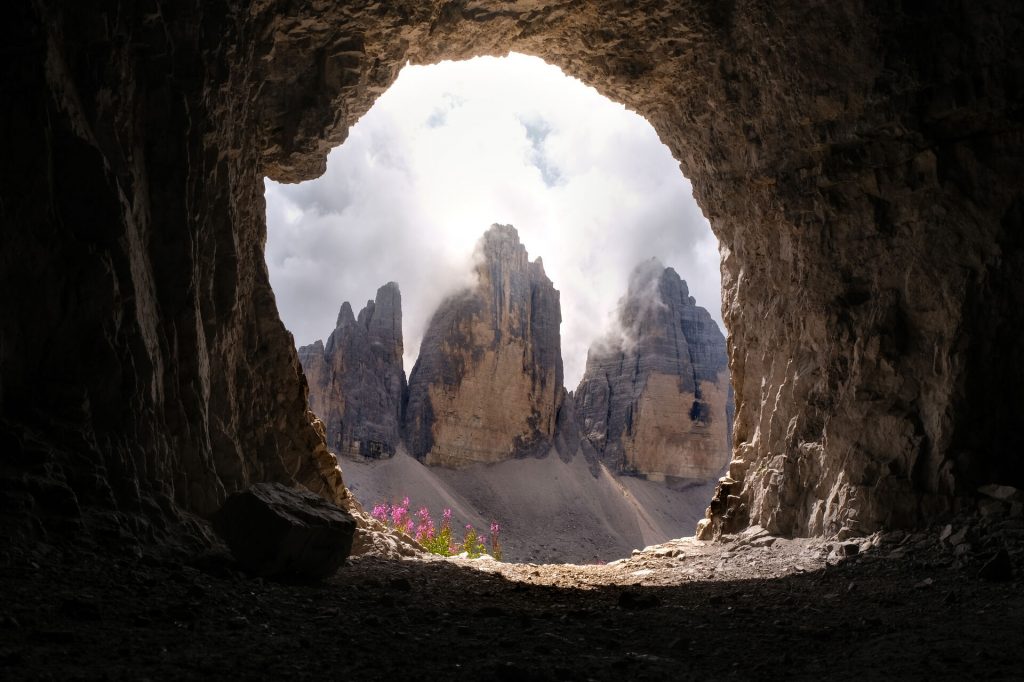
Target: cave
(862, 166)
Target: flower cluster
(438, 540)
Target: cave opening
(861, 165)
(599, 204)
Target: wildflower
(380, 512)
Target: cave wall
(860, 164)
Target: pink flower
(380, 512)
(405, 502)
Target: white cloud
(450, 149)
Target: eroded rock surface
(356, 381)
(861, 165)
(655, 397)
(488, 381)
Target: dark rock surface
(488, 381)
(356, 381)
(655, 397)
(861, 165)
(802, 611)
(280, 532)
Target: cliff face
(488, 381)
(861, 165)
(655, 397)
(356, 381)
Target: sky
(454, 147)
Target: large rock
(356, 381)
(277, 531)
(488, 381)
(655, 398)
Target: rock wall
(488, 381)
(356, 382)
(861, 164)
(655, 397)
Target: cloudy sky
(450, 149)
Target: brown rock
(655, 397)
(487, 385)
(861, 165)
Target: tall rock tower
(356, 382)
(488, 382)
(655, 398)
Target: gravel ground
(892, 606)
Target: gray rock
(277, 531)
(655, 398)
(999, 568)
(356, 381)
(1006, 493)
(490, 363)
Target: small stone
(927, 582)
(636, 601)
(999, 492)
(993, 508)
(400, 584)
(959, 537)
(238, 623)
(893, 537)
(946, 532)
(763, 541)
(998, 569)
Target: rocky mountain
(488, 382)
(655, 397)
(356, 381)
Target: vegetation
(441, 540)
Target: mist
(450, 149)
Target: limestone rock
(277, 531)
(356, 381)
(860, 164)
(488, 381)
(655, 398)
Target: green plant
(438, 541)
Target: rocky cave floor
(945, 604)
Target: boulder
(277, 531)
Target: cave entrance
(448, 150)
